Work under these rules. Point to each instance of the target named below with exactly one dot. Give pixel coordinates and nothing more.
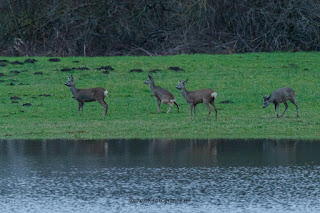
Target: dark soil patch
(105, 72)
(226, 102)
(3, 65)
(77, 131)
(38, 73)
(15, 72)
(11, 84)
(80, 68)
(65, 70)
(45, 95)
(105, 68)
(5, 61)
(177, 69)
(76, 61)
(135, 70)
(1, 81)
(54, 59)
(30, 60)
(293, 66)
(2, 74)
(17, 62)
(15, 98)
(27, 104)
(154, 70)
(14, 102)
(305, 69)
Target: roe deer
(195, 97)
(88, 95)
(162, 95)
(281, 95)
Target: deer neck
(152, 86)
(271, 98)
(73, 90)
(184, 93)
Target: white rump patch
(214, 94)
(105, 93)
(174, 100)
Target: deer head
(181, 85)
(70, 81)
(149, 80)
(266, 101)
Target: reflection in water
(171, 153)
(195, 175)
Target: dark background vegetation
(156, 27)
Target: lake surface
(160, 176)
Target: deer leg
(105, 106)
(194, 116)
(159, 102)
(276, 105)
(80, 107)
(209, 110)
(286, 105)
(105, 109)
(170, 104)
(294, 102)
(176, 105)
(191, 107)
(215, 109)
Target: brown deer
(162, 95)
(199, 96)
(88, 95)
(281, 95)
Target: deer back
(200, 96)
(282, 95)
(162, 93)
(91, 94)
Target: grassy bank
(241, 78)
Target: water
(160, 176)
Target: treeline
(156, 27)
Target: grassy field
(132, 113)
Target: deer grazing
(281, 95)
(162, 95)
(88, 95)
(193, 98)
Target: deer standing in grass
(281, 95)
(193, 98)
(88, 95)
(162, 95)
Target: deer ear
(263, 95)
(150, 76)
(186, 81)
(179, 81)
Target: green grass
(133, 111)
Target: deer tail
(105, 93)
(214, 94)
